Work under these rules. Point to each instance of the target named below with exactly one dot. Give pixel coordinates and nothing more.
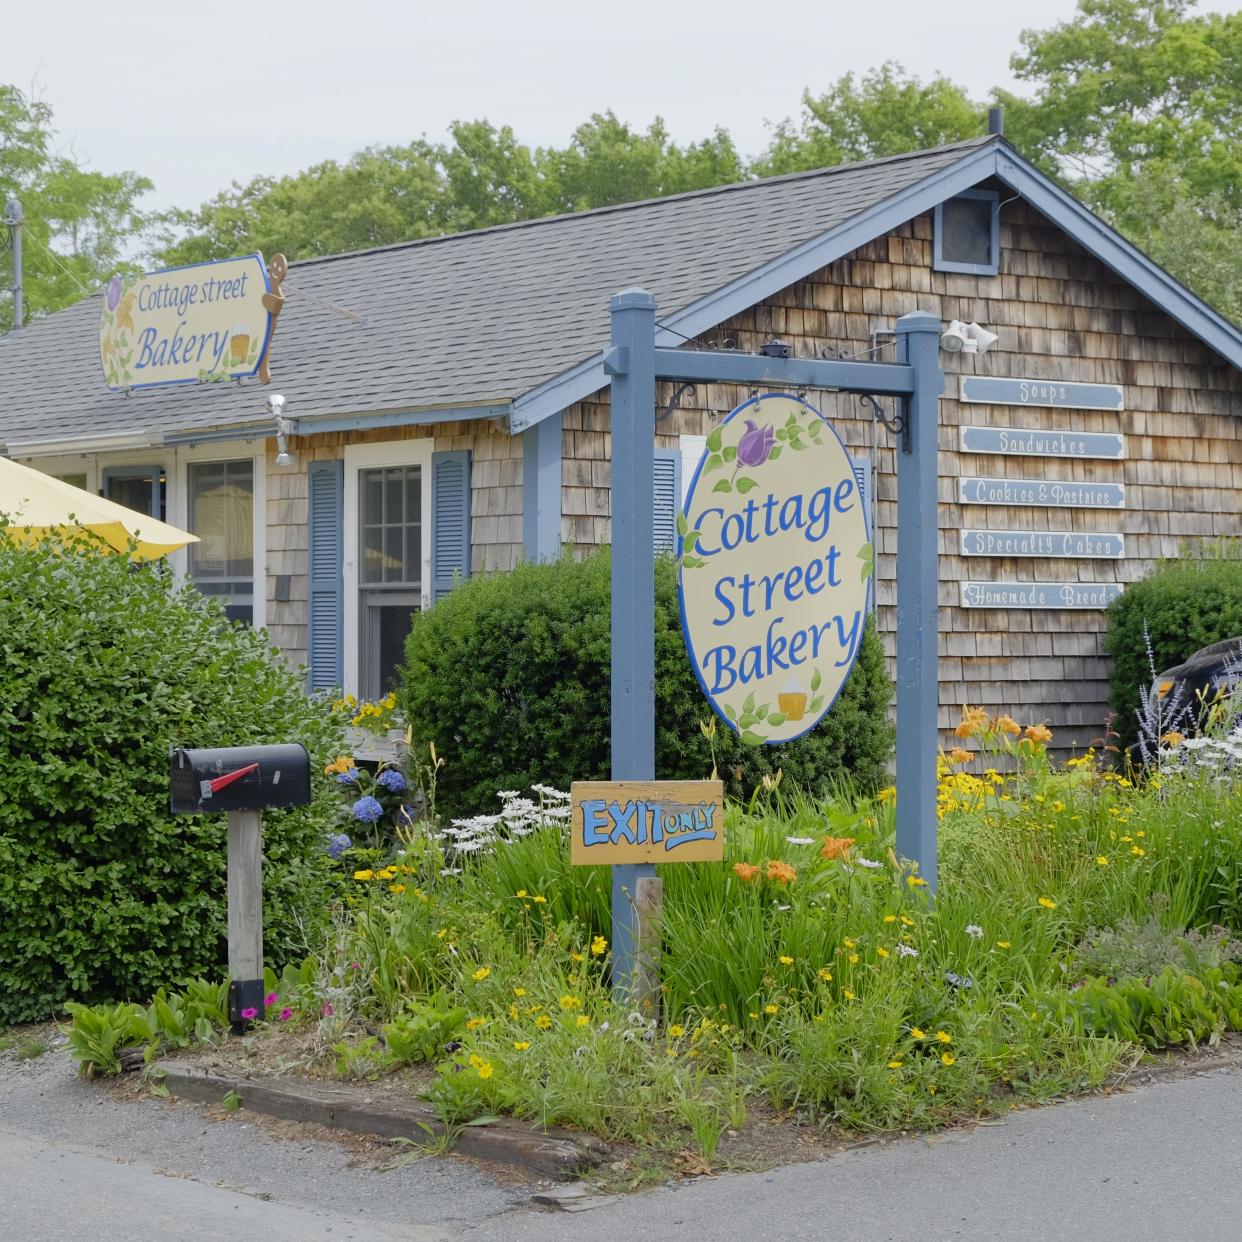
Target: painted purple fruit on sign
(114, 293)
(756, 444)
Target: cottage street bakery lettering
(1036, 442)
(1039, 594)
(185, 325)
(1065, 394)
(1052, 543)
(775, 561)
(1062, 493)
(646, 821)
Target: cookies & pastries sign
(774, 563)
(186, 325)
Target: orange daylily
(837, 847)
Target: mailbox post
(241, 781)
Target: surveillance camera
(953, 339)
(275, 404)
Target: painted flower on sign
(756, 444)
(114, 293)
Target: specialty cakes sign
(775, 559)
(186, 324)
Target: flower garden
(1080, 921)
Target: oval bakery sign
(774, 566)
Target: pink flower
(248, 1015)
(286, 1014)
(270, 999)
(355, 965)
(327, 1009)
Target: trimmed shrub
(1184, 604)
(105, 893)
(509, 677)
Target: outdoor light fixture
(966, 338)
(285, 427)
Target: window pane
(390, 626)
(222, 516)
(373, 554)
(966, 231)
(372, 499)
(390, 503)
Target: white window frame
(691, 449)
(359, 457)
(254, 451)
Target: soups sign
(774, 562)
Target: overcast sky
(195, 96)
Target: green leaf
(745, 485)
(866, 554)
(816, 680)
(782, 433)
(713, 463)
(714, 439)
(816, 703)
(723, 485)
(776, 718)
(776, 452)
(730, 453)
(683, 523)
(692, 562)
(690, 541)
(730, 713)
(762, 711)
(751, 738)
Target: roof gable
(514, 320)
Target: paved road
(1163, 1162)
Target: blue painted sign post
(634, 364)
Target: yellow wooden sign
(646, 821)
(187, 325)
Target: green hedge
(509, 677)
(105, 894)
(1184, 604)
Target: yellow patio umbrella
(36, 505)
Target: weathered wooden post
(241, 780)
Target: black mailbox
(239, 778)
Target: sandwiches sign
(186, 325)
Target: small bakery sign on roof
(188, 325)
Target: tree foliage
(79, 223)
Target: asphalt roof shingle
(461, 320)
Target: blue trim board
(541, 490)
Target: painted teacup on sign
(774, 566)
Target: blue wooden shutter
(862, 472)
(450, 521)
(326, 508)
(667, 499)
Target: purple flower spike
(114, 293)
(756, 444)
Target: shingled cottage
(451, 411)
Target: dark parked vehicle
(1210, 673)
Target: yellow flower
(520, 1045)
(543, 1022)
(853, 959)
(485, 1070)
(396, 888)
(944, 1037)
(916, 881)
(1003, 944)
(894, 1065)
(785, 961)
(475, 1023)
(947, 1058)
(1047, 903)
(365, 874)
(848, 994)
(513, 1013)
(1137, 850)
(676, 1032)
(476, 1061)
(521, 892)
(890, 918)
(908, 922)
(576, 957)
(482, 973)
(1039, 733)
(599, 946)
(1006, 724)
(540, 901)
(583, 1020)
(771, 1008)
(571, 1002)
(850, 944)
(1101, 860)
(519, 991)
(958, 755)
(881, 952)
(825, 974)
(752, 1015)
(915, 1033)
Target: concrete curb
(551, 1153)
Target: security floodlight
(983, 339)
(953, 339)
